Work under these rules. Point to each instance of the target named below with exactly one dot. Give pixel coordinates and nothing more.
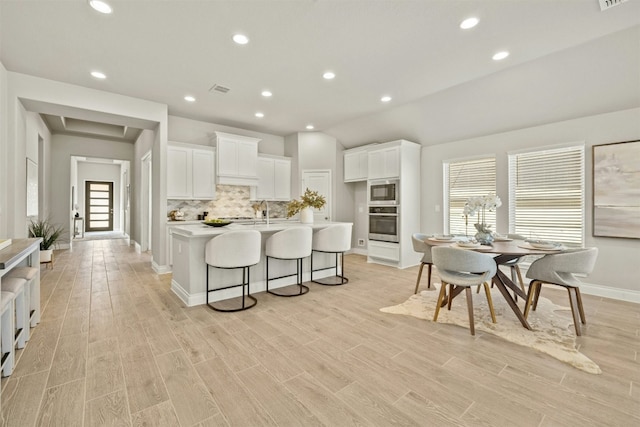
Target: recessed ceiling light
(240, 39)
(385, 99)
(99, 75)
(266, 93)
(469, 23)
(500, 55)
(189, 98)
(329, 75)
(259, 115)
(310, 127)
(100, 6)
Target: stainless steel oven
(384, 192)
(383, 223)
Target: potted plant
(49, 233)
(308, 201)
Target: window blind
(546, 199)
(468, 179)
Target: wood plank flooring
(116, 347)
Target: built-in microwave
(384, 192)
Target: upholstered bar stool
(234, 250)
(21, 306)
(419, 245)
(335, 239)
(7, 348)
(32, 291)
(290, 244)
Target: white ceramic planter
(46, 255)
(306, 216)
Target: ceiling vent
(218, 88)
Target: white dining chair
(419, 245)
(561, 269)
(234, 250)
(463, 268)
(291, 244)
(334, 239)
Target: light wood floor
(116, 347)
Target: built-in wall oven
(384, 192)
(383, 223)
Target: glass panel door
(99, 206)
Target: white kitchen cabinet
(274, 179)
(190, 173)
(237, 159)
(384, 163)
(356, 165)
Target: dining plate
(440, 239)
(444, 237)
(528, 245)
(469, 245)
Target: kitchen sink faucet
(266, 203)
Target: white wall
(617, 265)
(107, 172)
(201, 133)
(3, 152)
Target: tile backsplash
(232, 200)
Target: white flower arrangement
(480, 205)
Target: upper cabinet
(237, 159)
(356, 165)
(191, 172)
(384, 163)
(274, 179)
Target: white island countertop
(196, 230)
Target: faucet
(266, 203)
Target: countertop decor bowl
(217, 223)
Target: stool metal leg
(299, 280)
(245, 282)
(327, 282)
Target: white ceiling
(410, 50)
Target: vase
(484, 235)
(306, 216)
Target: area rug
(552, 324)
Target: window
(466, 179)
(546, 196)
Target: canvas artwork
(616, 190)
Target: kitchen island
(189, 266)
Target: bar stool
(32, 290)
(21, 306)
(335, 239)
(233, 250)
(290, 244)
(7, 349)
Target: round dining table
(506, 250)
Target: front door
(99, 205)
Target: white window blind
(468, 179)
(546, 199)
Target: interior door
(320, 181)
(98, 197)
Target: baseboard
(137, 247)
(160, 269)
(357, 251)
(628, 295)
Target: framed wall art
(616, 190)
